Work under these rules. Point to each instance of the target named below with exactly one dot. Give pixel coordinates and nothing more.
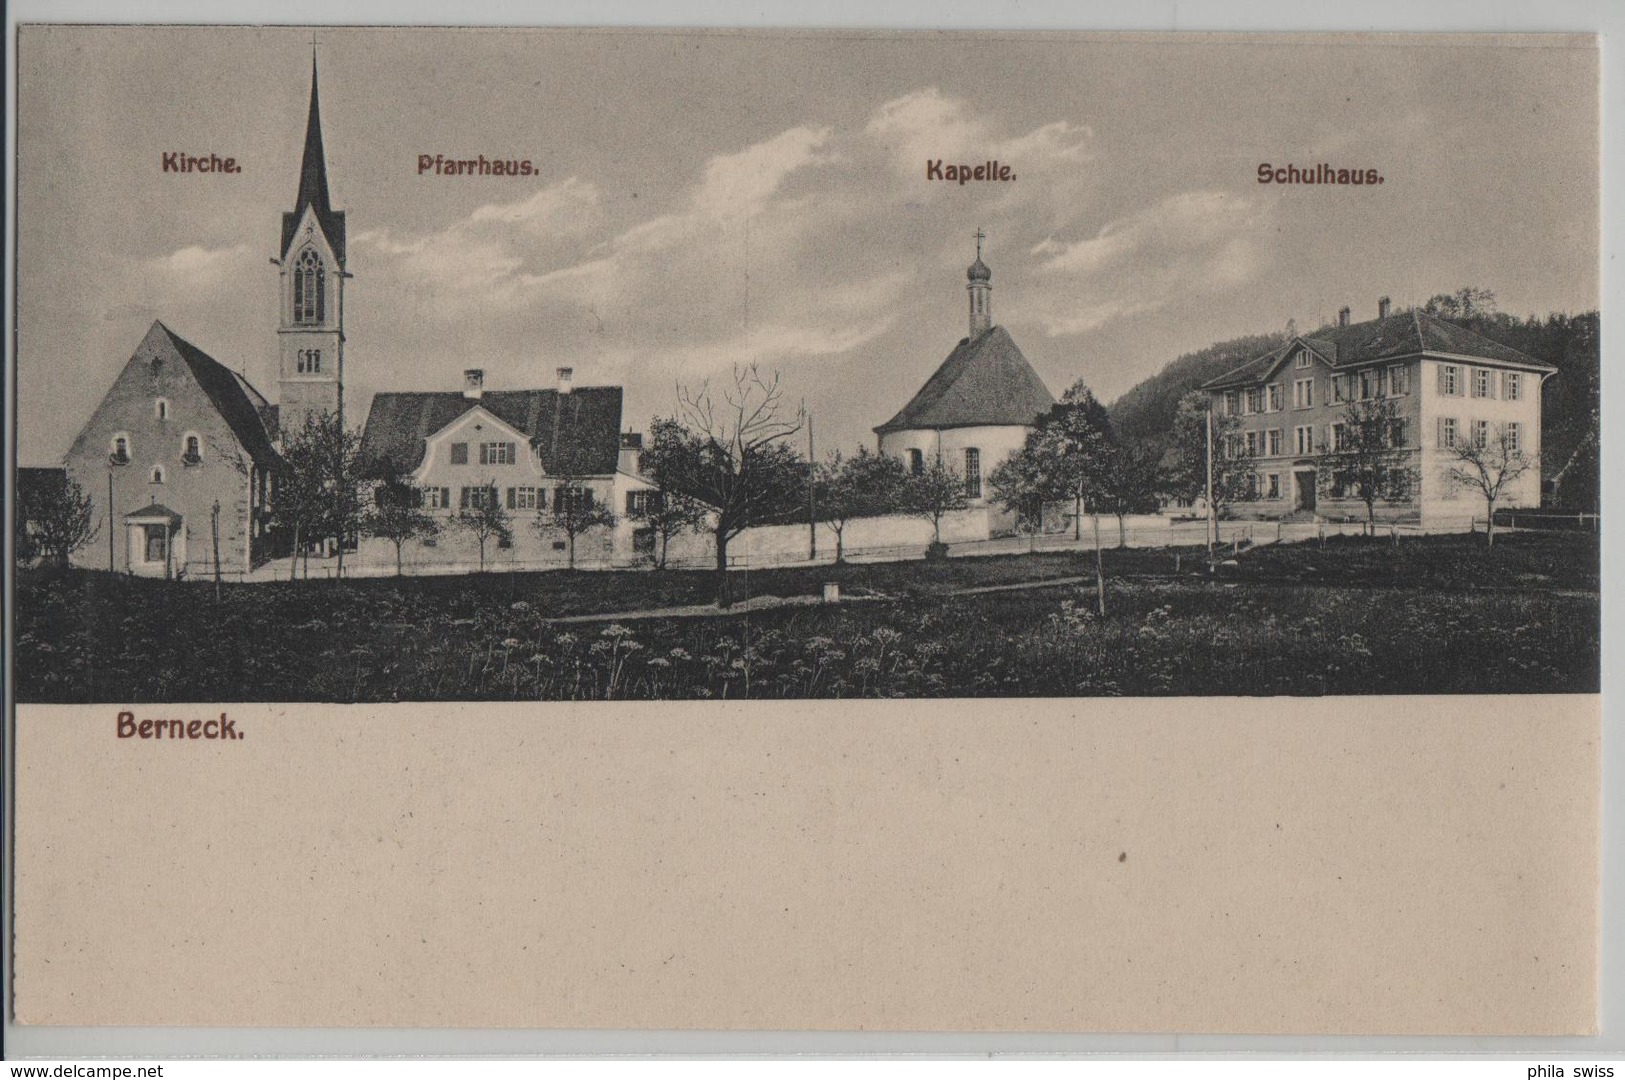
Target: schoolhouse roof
(576, 431)
(985, 381)
(1409, 333)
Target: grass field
(1435, 615)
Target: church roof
(1406, 334)
(313, 182)
(985, 381)
(578, 431)
(233, 397)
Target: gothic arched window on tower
(309, 289)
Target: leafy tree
(1465, 303)
(321, 492)
(574, 512)
(54, 519)
(1232, 465)
(485, 519)
(731, 454)
(396, 516)
(1026, 481)
(1130, 483)
(1487, 468)
(863, 485)
(669, 514)
(1368, 459)
(932, 494)
(1076, 438)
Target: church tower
(980, 285)
(310, 332)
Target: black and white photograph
(366, 365)
(719, 531)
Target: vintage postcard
(662, 529)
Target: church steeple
(313, 194)
(313, 170)
(980, 285)
(311, 329)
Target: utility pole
(1212, 513)
(812, 498)
(109, 519)
(214, 527)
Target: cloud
(1191, 243)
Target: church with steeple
(310, 336)
(977, 408)
(180, 458)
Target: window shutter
(1438, 438)
(445, 497)
(631, 501)
(511, 505)
(586, 498)
(513, 454)
(1439, 371)
(541, 498)
(462, 499)
(1492, 381)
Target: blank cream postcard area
(807, 530)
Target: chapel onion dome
(978, 271)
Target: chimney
(565, 374)
(473, 383)
(1343, 315)
(1382, 308)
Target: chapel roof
(985, 381)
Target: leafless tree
(1487, 465)
(728, 448)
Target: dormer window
(191, 450)
(120, 454)
(309, 288)
(160, 408)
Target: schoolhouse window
(161, 409)
(1514, 436)
(973, 473)
(1512, 387)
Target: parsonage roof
(576, 432)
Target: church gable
(167, 390)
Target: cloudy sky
(709, 200)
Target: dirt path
(771, 603)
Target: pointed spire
(313, 193)
(313, 170)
